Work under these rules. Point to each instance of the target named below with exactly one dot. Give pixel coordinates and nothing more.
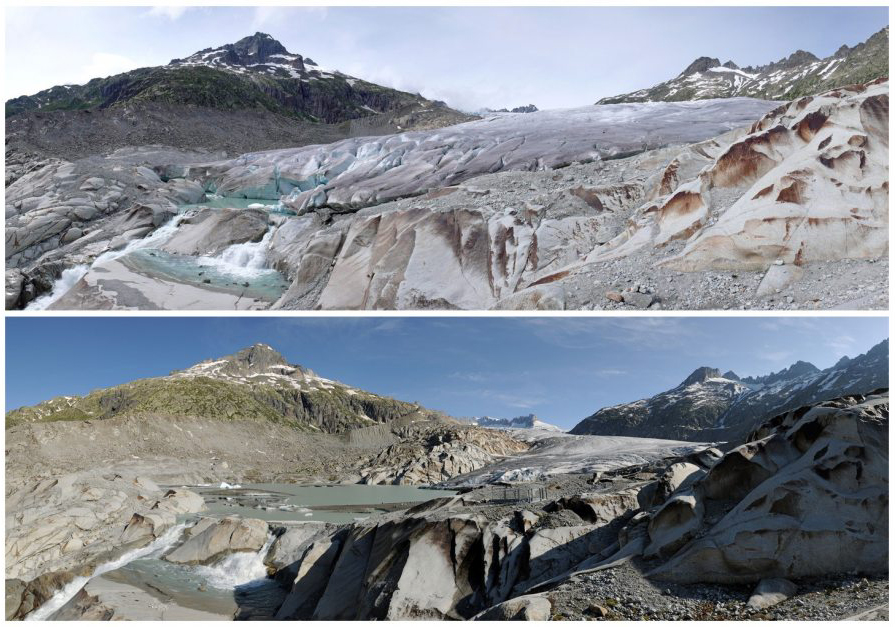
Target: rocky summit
(709, 406)
(799, 74)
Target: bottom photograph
(444, 468)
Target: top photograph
(447, 158)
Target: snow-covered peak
(257, 54)
(260, 364)
(700, 375)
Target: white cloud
(610, 372)
(170, 12)
(104, 64)
(475, 377)
(843, 344)
(266, 17)
(776, 356)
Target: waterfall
(242, 260)
(158, 236)
(72, 275)
(65, 282)
(237, 569)
(66, 593)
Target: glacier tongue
(365, 171)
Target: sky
(562, 369)
(470, 57)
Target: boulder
(286, 552)
(143, 528)
(221, 538)
(778, 277)
(676, 522)
(677, 476)
(15, 588)
(600, 508)
(180, 501)
(210, 231)
(529, 607)
(638, 300)
(14, 283)
(770, 592)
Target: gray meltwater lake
(287, 502)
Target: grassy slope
(329, 410)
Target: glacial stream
(239, 580)
(239, 269)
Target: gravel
(625, 594)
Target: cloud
(775, 356)
(473, 377)
(104, 64)
(266, 17)
(610, 372)
(512, 400)
(634, 333)
(170, 12)
(843, 344)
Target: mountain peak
(258, 356)
(259, 53)
(258, 359)
(701, 374)
(701, 64)
(258, 47)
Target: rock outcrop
(435, 562)
(806, 495)
(810, 181)
(63, 523)
(210, 539)
(429, 454)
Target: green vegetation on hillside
(329, 410)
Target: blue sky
(471, 57)
(562, 369)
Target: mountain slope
(256, 76)
(256, 383)
(708, 406)
(800, 74)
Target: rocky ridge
(710, 407)
(800, 74)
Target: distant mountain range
(799, 74)
(519, 422)
(711, 406)
(293, 101)
(257, 383)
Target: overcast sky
(470, 57)
(562, 369)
